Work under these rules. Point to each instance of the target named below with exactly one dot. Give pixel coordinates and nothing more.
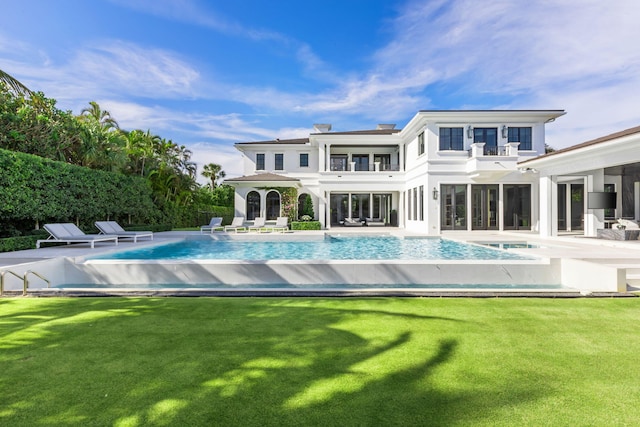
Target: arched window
(253, 205)
(273, 205)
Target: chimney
(322, 127)
(383, 126)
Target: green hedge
(305, 225)
(21, 243)
(37, 190)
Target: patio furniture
(214, 225)
(258, 224)
(69, 233)
(237, 224)
(112, 228)
(350, 222)
(281, 225)
(377, 222)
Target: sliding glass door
(517, 206)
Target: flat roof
(602, 139)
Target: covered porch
(585, 188)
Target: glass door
(360, 206)
(517, 209)
(453, 201)
(339, 208)
(361, 162)
(484, 207)
(382, 207)
(384, 160)
(562, 207)
(577, 206)
(338, 162)
(490, 138)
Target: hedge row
(305, 225)
(39, 190)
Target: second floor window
(421, 144)
(260, 161)
(521, 135)
(304, 160)
(279, 162)
(451, 139)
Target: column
(548, 210)
(593, 218)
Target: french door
(484, 207)
(453, 212)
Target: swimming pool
(330, 248)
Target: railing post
(512, 148)
(477, 149)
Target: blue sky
(207, 74)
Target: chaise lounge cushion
(628, 224)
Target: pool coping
(321, 293)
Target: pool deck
(619, 254)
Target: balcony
(353, 167)
(493, 161)
(479, 149)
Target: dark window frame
(421, 144)
(523, 135)
(451, 139)
(278, 160)
(305, 163)
(260, 158)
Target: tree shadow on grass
(227, 362)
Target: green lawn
(341, 362)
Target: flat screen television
(601, 200)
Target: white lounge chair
(281, 225)
(68, 233)
(236, 225)
(214, 225)
(112, 228)
(258, 224)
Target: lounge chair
(350, 222)
(281, 225)
(258, 224)
(214, 225)
(68, 233)
(377, 222)
(236, 225)
(112, 228)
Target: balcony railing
(492, 151)
(360, 168)
(479, 149)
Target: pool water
(331, 248)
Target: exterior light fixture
(435, 193)
(505, 131)
(469, 132)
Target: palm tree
(101, 116)
(14, 84)
(213, 172)
(141, 148)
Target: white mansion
(447, 170)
